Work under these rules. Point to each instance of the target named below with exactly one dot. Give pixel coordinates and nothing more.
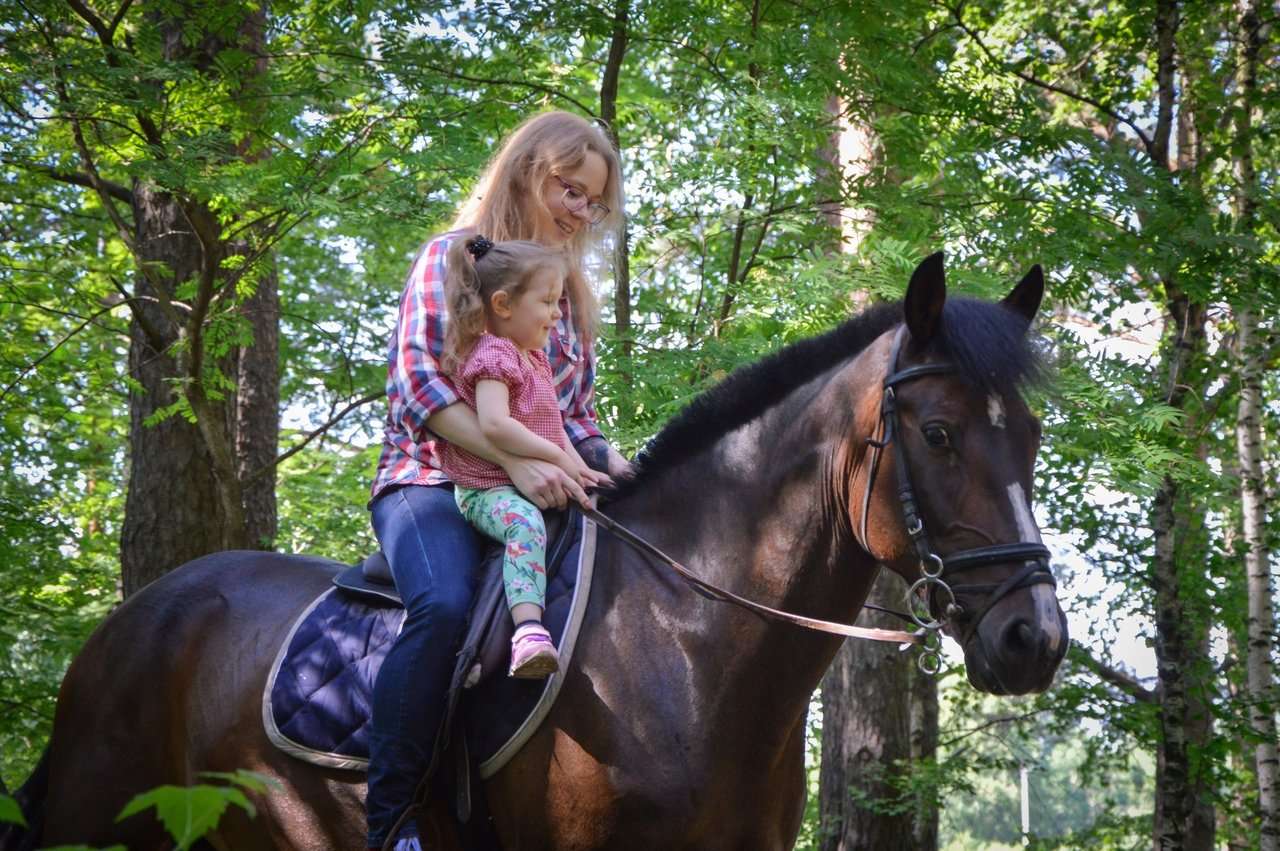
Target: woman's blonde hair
(470, 282)
(548, 143)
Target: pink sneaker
(533, 655)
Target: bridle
(936, 570)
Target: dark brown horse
(681, 723)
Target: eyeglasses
(575, 201)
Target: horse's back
(170, 685)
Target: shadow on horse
(681, 723)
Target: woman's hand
(619, 467)
(544, 484)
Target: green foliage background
(373, 120)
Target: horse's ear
(926, 294)
(1025, 298)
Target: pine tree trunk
(877, 708)
(1184, 811)
(924, 750)
(866, 738)
(172, 510)
(257, 413)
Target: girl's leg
(507, 517)
(510, 519)
(433, 553)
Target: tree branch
(1113, 676)
(115, 190)
(372, 397)
(1044, 84)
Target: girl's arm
(493, 408)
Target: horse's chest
(578, 800)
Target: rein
(714, 592)
(933, 567)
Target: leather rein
(934, 567)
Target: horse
(681, 721)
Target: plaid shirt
(416, 387)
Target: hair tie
(478, 247)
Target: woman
(556, 181)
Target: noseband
(937, 570)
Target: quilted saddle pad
(316, 704)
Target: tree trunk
(1261, 625)
(172, 511)
(866, 739)
(877, 707)
(1184, 811)
(609, 112)
(924, 750)
(190, 487)
(257, 413)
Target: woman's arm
(602, 457)
(545, 484)
(508, 435)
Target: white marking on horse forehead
(995, 410)
(1042, 595)
(1027, 529)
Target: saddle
(487, 643)
(316, 704)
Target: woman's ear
(500, 304)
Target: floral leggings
(507, 517)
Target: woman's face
(554, 223)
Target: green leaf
(188, 813)
(10, 811)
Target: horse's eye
(937, 436)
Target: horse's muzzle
(1016, 655)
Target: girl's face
(554, 223)
(527, 319)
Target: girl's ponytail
(464, 301)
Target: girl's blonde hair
(470, 283)
(548, 143)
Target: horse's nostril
(1019, 639)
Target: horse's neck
(757, 514)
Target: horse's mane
(987, 343)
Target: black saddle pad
(317, 700)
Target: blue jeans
(434, 555)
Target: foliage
(190, 812)
(1009, 133)
(10, 812)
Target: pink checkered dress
(416, 387)
(531, 401)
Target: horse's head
(958, 524)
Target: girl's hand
(593, 479)
(578, 470)
(544, 484)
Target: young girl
(555, 180)
(503, 301)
